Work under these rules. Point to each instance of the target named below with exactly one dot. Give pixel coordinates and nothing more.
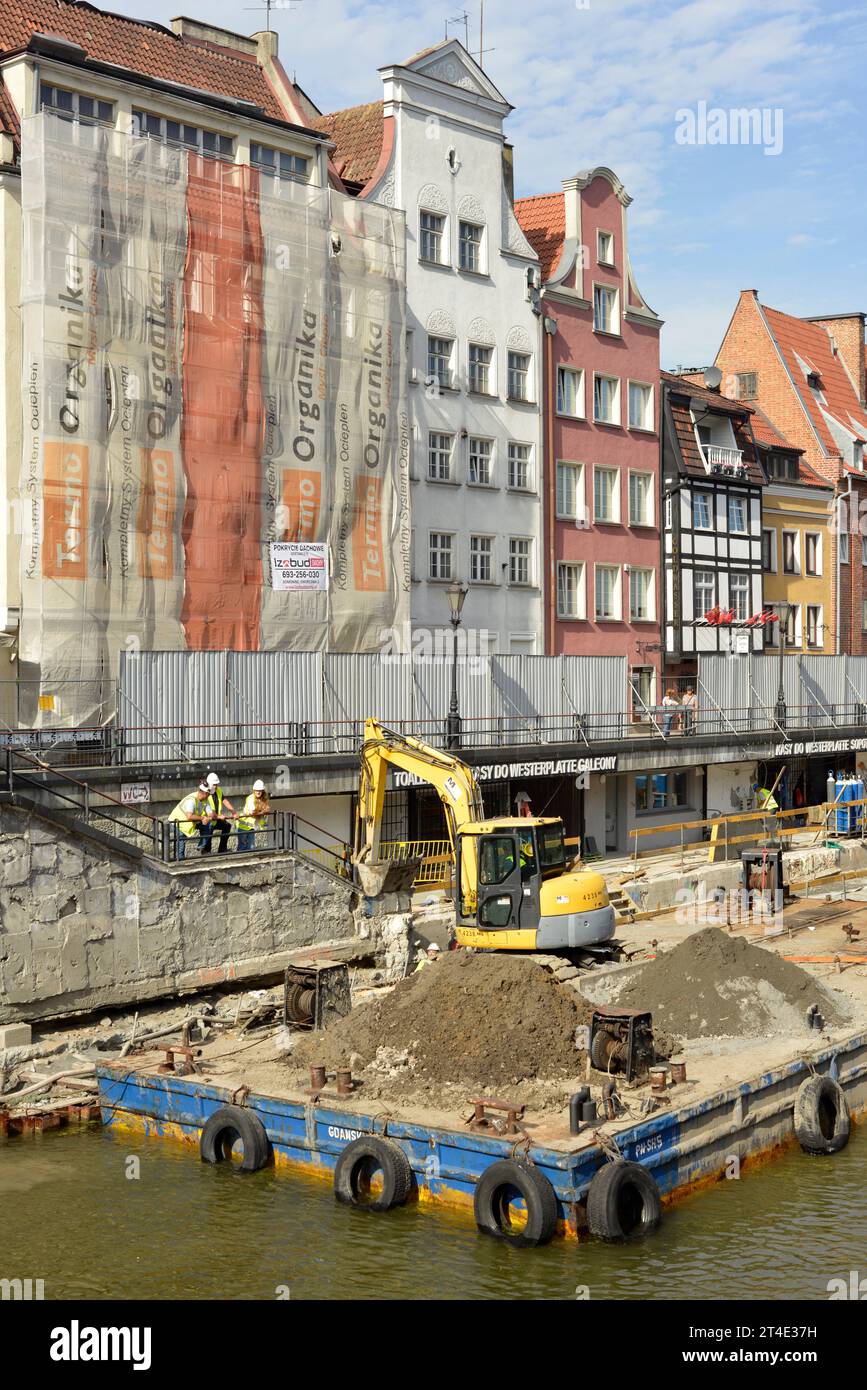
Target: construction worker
(217, 804)
(765, 799)
(431, 955)
(253, 817)
(188, 816)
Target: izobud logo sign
(299, 567)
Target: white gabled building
(434, 146)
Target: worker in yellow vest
(218, 805)
(188, 816)
(253, 817)
(765, 799)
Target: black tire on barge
(357, 1165)
(495, 1193)
(228, 1126)
(623, 1202)
(822, 1120)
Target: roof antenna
(463, 19)
(482, 49)
(269, 5)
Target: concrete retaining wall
(82, 928)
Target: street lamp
(783, 610)
(456, 592)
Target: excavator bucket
(380, 876)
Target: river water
(181, 1229)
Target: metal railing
(435, 855)
(145, 745)
(134, 829)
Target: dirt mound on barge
(482, 1019)
(716, 985)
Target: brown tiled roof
(9, 121)
(798, 338)
(357, 134)
(767, 433)
(680, 395)
(140, 46)
(543, 221)
(692, 390)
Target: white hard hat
(433, 946)
(213, 779)
(258, 785)
(203, 786)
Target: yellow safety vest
(766, 800)
(215, 801)
(247, 820)
(181, 814)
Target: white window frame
(736, 500)
(480, 245)
(476, 439)
(424, 232)
(580, 591)
(843, 547)
(577, 470)
(226, 154)
(600, 419)
(435, 378)
(73, 112)
(283, 164)
(819, 610)
(448, 550)
(613, 520)
(490, 554)
(512, 461)
(617, 593)
(514, 556)
(744, 589)
(515, 374)
(796, 551)
(601, 257)
(699, 608)
(580, 411)
(864, 550)
(708, 497)
(650, 520)
(650, 575)
(647, 426)
(772, 550)
(612, 296)
(439, 435)
(488, 367)
(817, 537)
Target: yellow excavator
(512, 889)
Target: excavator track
(569, 967)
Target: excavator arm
(451, 779)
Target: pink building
(601, 440)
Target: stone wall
(84, 928)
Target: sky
(646, 89)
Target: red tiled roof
(798, 338)
(357, 134)
(140, 46)
(543, 221)
(767, 433)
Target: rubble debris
(713, 984)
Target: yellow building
(798, 558)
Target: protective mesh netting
(213, 363)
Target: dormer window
(605, 248)
(814, 381)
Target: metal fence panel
(432, 690)
(272, 696)
(360, 685)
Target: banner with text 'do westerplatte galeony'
(213, 362)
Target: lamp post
(455, 593)
(783, 610)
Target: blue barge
(684, 1146)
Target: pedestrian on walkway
(217, 806)
(188, 817)
(670, 703)
(253, 817)
(689, 706)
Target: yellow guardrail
(435, 855)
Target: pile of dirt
(483, 1019)
(717, 985)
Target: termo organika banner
(213, 365)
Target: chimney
(847, 331)
(194, 31)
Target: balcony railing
(719, 458)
